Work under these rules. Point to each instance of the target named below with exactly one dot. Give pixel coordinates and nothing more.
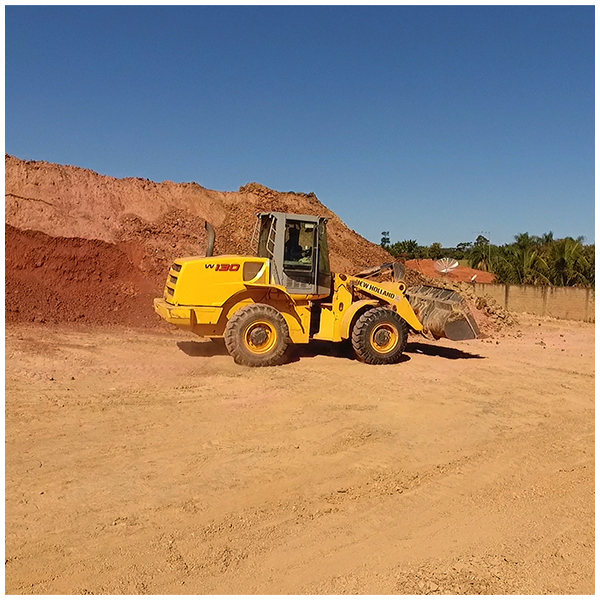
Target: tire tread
(360, 336)
(234, 330)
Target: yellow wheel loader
(288, 295)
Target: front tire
(379, 336)
(257, 336)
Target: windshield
(299, 245)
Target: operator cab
(297, 247)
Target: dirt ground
(148, 462)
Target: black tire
(257, 336)
(379, 336)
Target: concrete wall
(573, 304)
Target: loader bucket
(443, 313)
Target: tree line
(530, 259)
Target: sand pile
(490, 316)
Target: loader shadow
(315, 348)
(205, 349)
(293, 354)
(441, 351)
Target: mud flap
(442, 312)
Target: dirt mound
(489, 315)
(95, 249)
(56, 279)
(90, 248)
(168, 217)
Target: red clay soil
(55, 279)
(464, 274)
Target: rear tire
(379, 336)
(257, 336)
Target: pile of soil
(168, 217)
(57, 279)
(86, 247)
(490, 316)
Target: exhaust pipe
(210, 243)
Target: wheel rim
(260, 337)
(384, 338)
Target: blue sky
(432, 122)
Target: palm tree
(589, 253)
(568, 264)
(522, 265)
(547, 239)
(482, 255)
(405, 247)
(524, 240)
(537, 260)
(479, 258)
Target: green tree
(407, 248)
(589, 253)
(530, 259)
(385, 240)
(480, 255)
(435, 251)
(421, 252)
(462, 250)
(524, 240)
(521, 265)
(481, 241)
(568, 263)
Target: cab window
(299, 245)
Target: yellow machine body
(202, 294)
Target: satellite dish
(445, 265)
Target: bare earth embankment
(145, 461)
